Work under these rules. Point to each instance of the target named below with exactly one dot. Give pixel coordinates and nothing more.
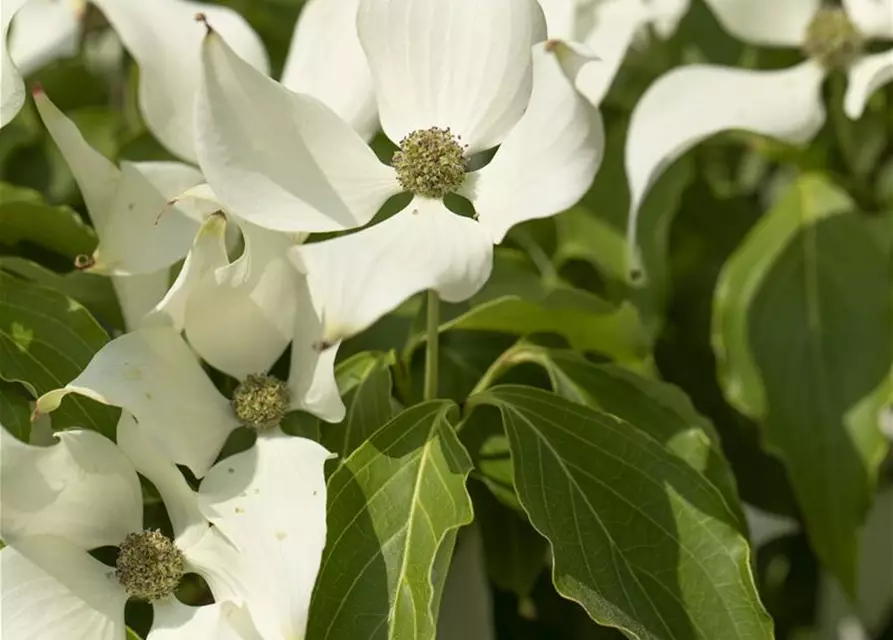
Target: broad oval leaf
(802, 332)
(659, 409)
(640, 539)
(394, 507)
(514, 552)
(46, 340)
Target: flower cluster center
(833, 40)
(149, 565)
(261, 401)
(430, 162)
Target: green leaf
(365, 382)
(515, 552)
(393, 505)
(801, 329)
(587, 322)
(15, 412)
(663, 411)
(596, 230)
(46, 340)
(93, 291)
(640, 539)
(25, 217)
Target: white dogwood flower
(259, 560)
(284, 161)
(609, 28)
(239, 316)
(260, 299)
(691, 103)
(153, 375)
(160, 35)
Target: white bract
(153, 375)
(609, 28)
(451, 80)
(163, 38)
(161, 35)
(691, 103)
(238, 316)
(61, 501)
(136, 244)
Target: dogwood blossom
(239, 316)
(136, 245)
(259, 560)
(260, 297)
(284, 161)
(691, 103)
(153, 375)
(609, 28)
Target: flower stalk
(432, 346)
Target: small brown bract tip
(201, 17)
(551, 45)
(37, 89)
(83, 261)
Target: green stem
(432, 346)
(518, 352)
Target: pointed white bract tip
(572, 56)
(48, 402)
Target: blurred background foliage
(571, 272)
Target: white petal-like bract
(766, 22)
(125, 204)
(549, 160)
(615, 24)
(463, 64)
(279, 548)
(240, 317)
(139, 294)
(44, 31)
(82, 488)
(690, 104)
(153, 374)
(356, 279)
(52, 588)
(164, 39)
(866, 76)
(173, 620)
(873, 17)
(281, 160)
(311, 379)
(12, 87)
(179, 499)
(327, 62)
